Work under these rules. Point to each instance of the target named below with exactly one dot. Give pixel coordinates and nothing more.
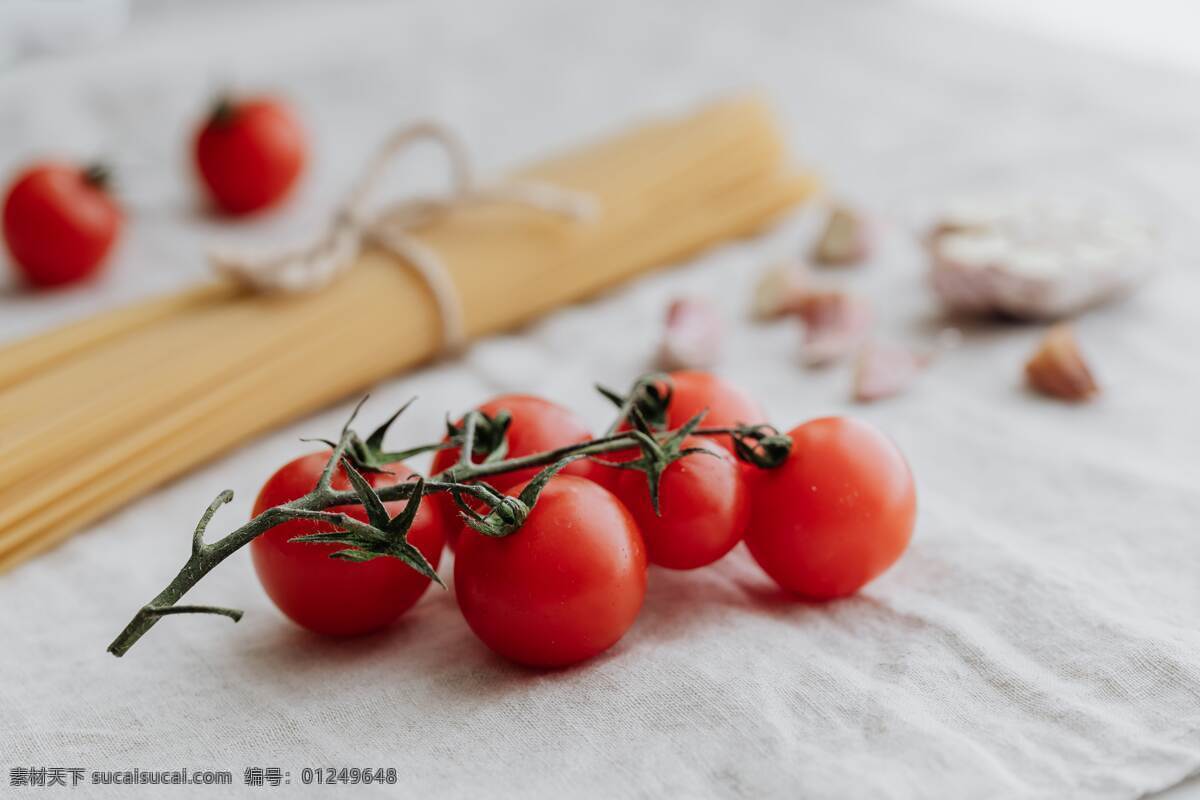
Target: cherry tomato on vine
(836, 514)
(537, 425)
(249, 154)
(703, 507)
(327, 595)
(694, 391)
(565, 587)
(60, 222)
(727, 404)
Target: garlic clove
(692, 336)
(844, 241)
(1057, 368)
(835, 323)
(781, 290)
(885, 370)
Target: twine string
(353, 227)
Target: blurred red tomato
(60, 222)
(250, 153)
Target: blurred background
(1159, 30)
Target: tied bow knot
(353, 227)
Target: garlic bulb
(1037, 258)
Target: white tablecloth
(1039, 639)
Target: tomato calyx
(650, 400)
(649, 397)
(224, 111)
(658, 454)
(509, 513)
(761, 445)
(482, 435)
(369, 455)
(381, 535)
(98, 176)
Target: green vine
(483, 449)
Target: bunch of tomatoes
(836, 512)
(61, 220)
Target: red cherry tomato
(727, 404)
(563, 588)
(60, 223)
(537, 425)
(249, 154)
(692, 392)
(328, 595)
(703, 507)
(836, 514)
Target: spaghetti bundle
(97, 413)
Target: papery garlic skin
(781, 290)
(1037, 258)
(835, 324)
(845, 240)
(886, 370)
(692, 336)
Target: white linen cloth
(1038, 640)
